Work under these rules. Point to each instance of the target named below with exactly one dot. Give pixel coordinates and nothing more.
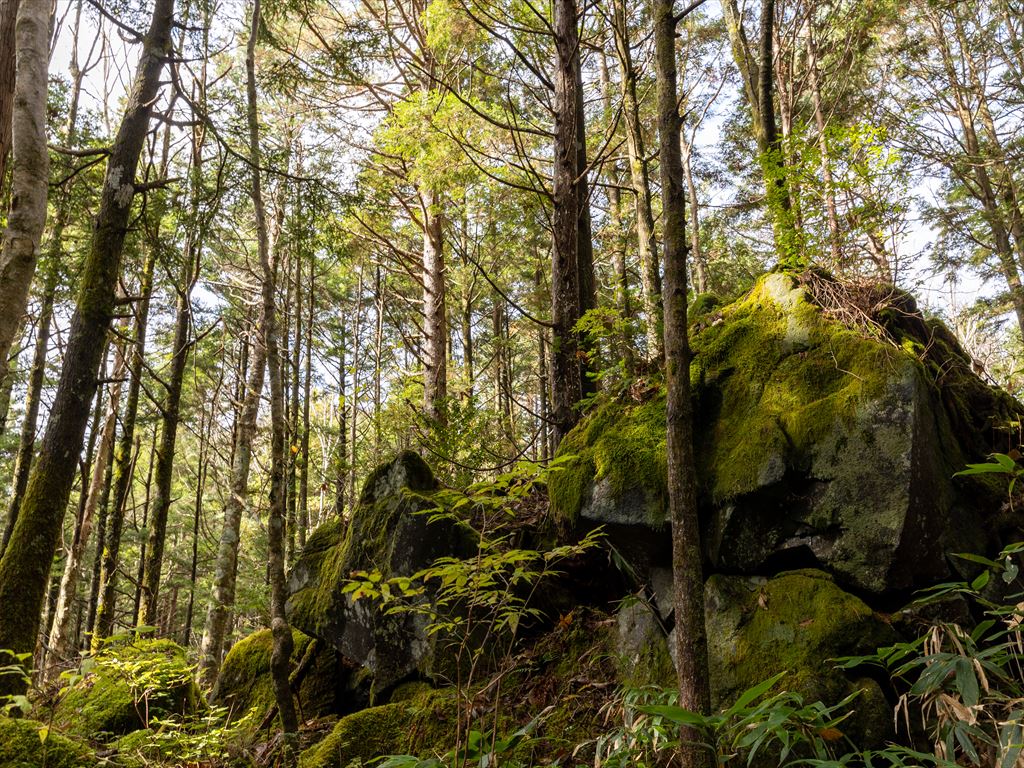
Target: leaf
(982, 581)
(754, 693)
(44, 733)
(675, 714)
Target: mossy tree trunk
(8, 16)
(24, 569)
(690, 633)
(282, 634)
(30, 178)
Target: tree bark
(123, 464)
(31, 159)
(690, 633)
(60, 645)
(8, 17)
(24, 569)
(435, 325)
(566, 308)
(282, 634)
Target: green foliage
(209, 737)
(127, 685)
(31, 744)
(966, 682)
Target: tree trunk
(123, 461)
(435, 325)
(60, 646)
(25, 567)
(282, 634)
(27, 441)
(690, 633)
(31, 161)
(222, 599)
(566, 383)
(647, 246)
(303, 516)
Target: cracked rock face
(818, 445)
(386, 534)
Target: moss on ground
(31, 744)
(131, 682)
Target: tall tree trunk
(282, 634)
(831, 213)
(25, 567)
(170, 416)
(647, 246)
(27, 440)
(303, 516)
(341, 460)
(123, 462)
(567, 385)
(60, 643)
(222, 599)
(435, 325)
(31, 161)
(690, 633)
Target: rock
(817, 445)
(31, 744)
(130, 679)
(424, 724)
(386, 533)
(245, 682)
(641, 646)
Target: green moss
(30, 744)
(130, 680)
(424, 725)
(245, 682)
(621, 445)
(793, 623)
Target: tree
(24, 569)
(31, 166)
(687, 554)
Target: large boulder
(389, 534)
(245, 681)
(31, 744)
(819, 442)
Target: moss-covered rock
(245, 682)
(31, 744)
(817, 443)
(130, 682)
(794, 623)
(387, 533)
(421, 725)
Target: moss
(30, 744)
(245, 682)
(424, 725)
(130, 679)
(620, 445)
(793, 623)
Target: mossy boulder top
(390, 534)
(818, 444)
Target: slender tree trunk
(354, 419)
(24, 569)
(140, 568)
(282, 634)
(647, 247)
(303, 516)
(31, 158)
(123, 457)
(27, 441)
(690, 634)
(222, 599)
(61, 649)
(567, 385)
(831, 213)
(205, 428)
(435, 325)
(341, 460)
